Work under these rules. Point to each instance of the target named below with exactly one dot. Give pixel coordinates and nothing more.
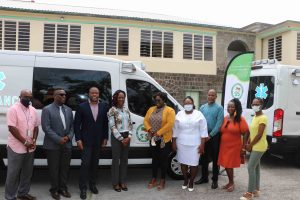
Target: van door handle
(133, 122)
(297, 113)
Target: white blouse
(190, 128)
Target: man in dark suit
(91, 132)
(57, 123)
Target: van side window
(263, 87)
(75, 82)
(140, 96)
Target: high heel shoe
(161, 185)
(152, 183)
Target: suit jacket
(89, 131)
(53, 127)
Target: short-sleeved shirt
(25, 120)
(190, 128)
(262, 144)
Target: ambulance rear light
(278, 122)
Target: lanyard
(27, 119)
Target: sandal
(225, 187)
(256, 193)
(230, 188)
(117, 188)
(123, 187)
(247, 196)
(161, 185)
(152, 183)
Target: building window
(275, 48)
(168, 45)
(111, 41)
(14, 35)
(123, 44)
(208, 48)
(156, 44)
(145, 43)
(62, 38)
(188, 46)
(298, 46)
(75, 34)
(197, 47)
(99, 34)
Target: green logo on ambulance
(237, 91)
(141, 134)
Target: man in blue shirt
(214, 115)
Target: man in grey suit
(57, 123)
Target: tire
(174, 169)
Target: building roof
(257, 27)
(105, 13)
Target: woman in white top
(189, 135)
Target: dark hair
(93, 87)
(190, 98)
(115, 97)
(261, 101)
(162, 95)
(238, 109)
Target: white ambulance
(41, 72)
(279, 86)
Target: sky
(232, 13)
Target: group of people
(202, 135)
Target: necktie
(62, 116)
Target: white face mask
(188, 107)
(256, 108)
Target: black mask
(25, 101)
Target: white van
(41, 72)
(279, 86)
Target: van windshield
(261, 87)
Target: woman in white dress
(189, 135)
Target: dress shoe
(214, 185)
(55, 195)
(83, 194)
(94, 189)
(123, 187)
(26, 197)
(65, 193)
(201, 181)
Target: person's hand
(201, 149)
(126, 142)
(62, 141)
(249, 147)
(104, 143)
(29, 145)
(208, 138)
(174, 146)
(243, 151)
(151, 132)
(33, 145)
(80, 145)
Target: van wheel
(174, 169)
(297, 158)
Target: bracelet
(25, 142)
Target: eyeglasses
(62, 95)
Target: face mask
(26, 102)
(256, 108)
(188, 107)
